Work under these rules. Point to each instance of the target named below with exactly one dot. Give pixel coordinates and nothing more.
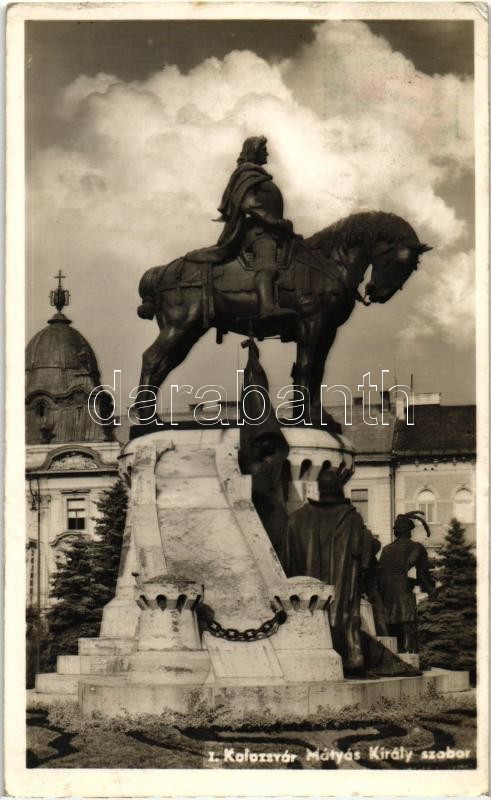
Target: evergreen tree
(87, 580)
(447, 624)
(109, 529)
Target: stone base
(111, 698)
(119, 696)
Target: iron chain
(265, 630)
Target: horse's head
(392, 264)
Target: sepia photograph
(247, 411)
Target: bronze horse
(318, 280)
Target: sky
(133, 129)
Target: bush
(68, 717)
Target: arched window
(427, 504)
(463, 506)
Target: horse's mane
(365, 226)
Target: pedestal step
(39, 699)
(68, 665)
(105, 646)
(111, 696)
(154, 666)
(452, 680)
(52, 683)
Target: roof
(374, 441)
(58, 358)
(437, 430)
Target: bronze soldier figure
(326, 539)
(396, 588)
(369, 582)
(252, 209)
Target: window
(76, 514)
(359, 498)
(463, 506)
(427, 504)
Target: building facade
(427, 466)
(435, 466)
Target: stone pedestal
(193, 537)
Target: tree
(109, 529)
(87, 580)
(447, 624)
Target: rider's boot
(264, 289)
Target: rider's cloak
(245, 177)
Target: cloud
(446, 309)
(351, 125)
(350, 73)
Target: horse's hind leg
(166, 353)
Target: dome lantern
(59, 297)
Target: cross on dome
(59, 297)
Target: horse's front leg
(307, 342)
(317, 368)
(170, 348)
(314, 343)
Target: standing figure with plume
(395, 585)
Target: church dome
(58, 358)
(61, 372)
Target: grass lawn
(438, 732)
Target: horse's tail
(148, 289)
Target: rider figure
(252, 209)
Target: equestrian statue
(262, 279)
